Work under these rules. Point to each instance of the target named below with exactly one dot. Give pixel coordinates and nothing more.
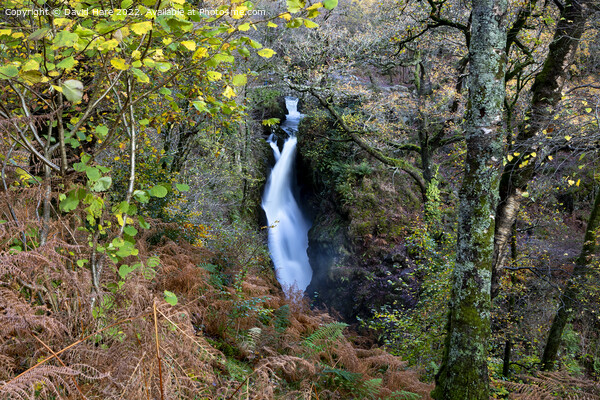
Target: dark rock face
(356, 243)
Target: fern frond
(324, 336)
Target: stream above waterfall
(288, 226)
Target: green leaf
(101, 131)
(82, 262)
(65, 39)
(170, 298)
(239, 80)
(295, 5)
(92, 173)
(130, 230)
(8, 71)
(141, 76)
(182, 187)
(126, 4)
(67, 63)
(102, 184)
(162, 66)
(266, 53)
(125, 270)
(70, 202)
(295, 23)
(73, 90)
(39, 34)
(158, 191)
(143, 223)
(330, 4)
(141, 196)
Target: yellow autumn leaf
(567, 138)
(509, 157)
(188, 44)
(238, 12)
(578, 182)
(266, 53)
(286, 16)
(310, 24)
(213, 75)
(228, 92)
(30, 65)
(141, 28)
(570, 182)
(119, 64)
(550, 158)
(201, 52)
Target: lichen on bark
(464, 374)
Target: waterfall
(288, 227)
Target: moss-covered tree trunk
(464, 374)
(546, 93)
(572, 290)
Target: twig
(162, 395)
(238, 388)
(61, 363)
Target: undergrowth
(230, 333)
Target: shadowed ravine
(288, 232)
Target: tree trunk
(568, 296)
(547, 92)
(463, 373)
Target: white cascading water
(288, 227)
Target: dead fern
(550, 386)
